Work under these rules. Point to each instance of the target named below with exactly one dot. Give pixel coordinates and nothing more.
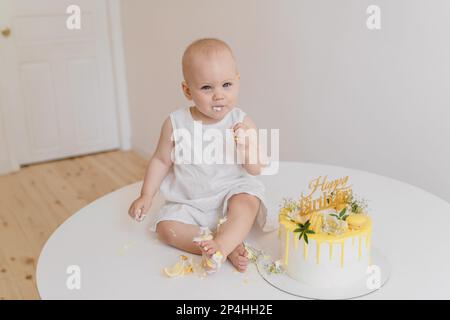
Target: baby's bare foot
(238, 257)
(209, 247)
(212, 255)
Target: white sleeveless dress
(198, 194)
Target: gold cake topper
(335, 194)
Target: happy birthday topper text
(334, 194)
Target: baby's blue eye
(206, 87)
(227, 84)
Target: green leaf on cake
(303, 230)
(342, 216)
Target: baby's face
(213, 84)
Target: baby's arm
(157, 169)
(249, 146)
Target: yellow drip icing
(279, 233)
(286, 254)
(290, 226)
(305, 250)
(318, 252)
(331, 250)
(359, 247)
(367, 240)
(364, 230)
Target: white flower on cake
(290, 208)
(333, 225)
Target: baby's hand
(139, 207)
(239, 132)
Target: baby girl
(198, 194)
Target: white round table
(119, 258)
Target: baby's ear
(186, 90)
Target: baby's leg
(179, 235)
(242, 211)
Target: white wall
(341, 94)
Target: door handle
(6, 32)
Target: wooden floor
(40, 197)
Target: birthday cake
(325, 241)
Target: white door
(56, 83)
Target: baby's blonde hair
(207, 47)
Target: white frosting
(326, 271)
